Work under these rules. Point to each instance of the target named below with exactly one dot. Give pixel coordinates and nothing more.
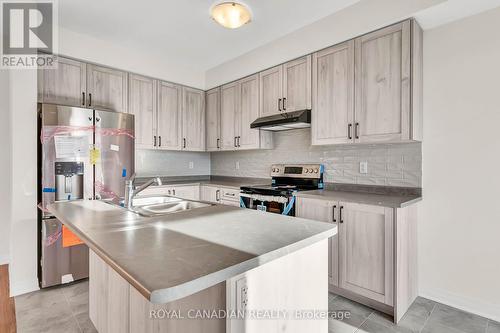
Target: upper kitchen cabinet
(169, 117)
(212, 109)
(142, 104)
(65, 84)
(297, 85)
(286, 87)
(239, 108)
(107, 88)
(333, 95)
(193, 119)
(387, 85)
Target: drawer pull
(334, 219)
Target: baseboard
(475, 306)
(23, 287)
(4, 259)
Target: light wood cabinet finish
(210, 193)
(324, 211)
(190, 192)
(142, 104)
(333, 95)
(193, 119)
(65, 85)
(366, 251)
(212, 103)
(247, 112)
(297, 85)
(229, 111)
(107, 88)
(169, 116)
(382, 85)
(271, 93)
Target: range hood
(284, 121)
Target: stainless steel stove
(286, 180)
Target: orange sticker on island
(69, 238)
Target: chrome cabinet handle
(357, 131)
(333, 213)
(279, 104)
(349, 131)
(284, 105)
(173, 191)
(217, 195)
(341, 218)
(83, 98)
(90, 99)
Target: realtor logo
(28, 34)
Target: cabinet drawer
(230, 194)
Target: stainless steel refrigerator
(83, 154)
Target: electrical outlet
(191, 165)
(241, 294)
(237, 165)
(363, 167)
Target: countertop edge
(402, 204)
(171, 294)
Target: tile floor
(65, 310)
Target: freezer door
(114, 140)
(66, 135)
(61, 264)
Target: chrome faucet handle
(158, 181)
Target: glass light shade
(231, 15)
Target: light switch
(191, 165)
(363, 167)
(237, 165)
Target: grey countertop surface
(387, 200)
(176, 255)
(222, 181)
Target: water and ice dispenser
(69, 180)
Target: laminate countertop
(176, 255)
(392, 200)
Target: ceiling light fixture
(231, 15)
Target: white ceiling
(184, 30)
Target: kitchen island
(211, 269)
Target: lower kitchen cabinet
(190, 192)
(372, 259)
(210, 193)
(223, 195)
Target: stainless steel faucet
(131, 191)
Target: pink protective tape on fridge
(114, 131)
(43, 209)
(51, 239)
(49, 132)
(105, 192)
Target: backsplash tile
(388, 164)
(171, 163)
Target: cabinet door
(382, 85)
(333, 91)
(190, 192)
(142, 104)
(270, 87)
(169, 117)
(248, 111)
(324, 211)
(228, 111)
(366, 251)
(193, 119)
(297, 84)
(64, 85)
(212, 102)
(210, 193)
(107, 88)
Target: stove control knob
(277, 170)
(274, 170)
(306, 170)
(311, 170)
(315, 170)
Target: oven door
(284, 205)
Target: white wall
(145, 62)
(23, 228)
(459, 222)
(5, 151)
(363, 17)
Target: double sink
(162, 205)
